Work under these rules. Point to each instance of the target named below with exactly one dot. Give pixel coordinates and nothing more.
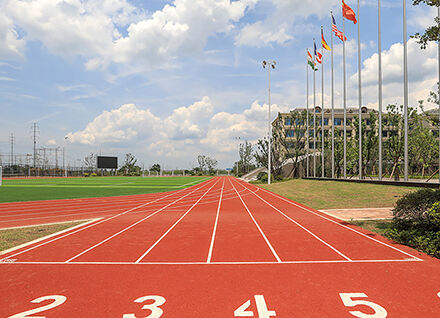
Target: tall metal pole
(322, 112)
(438, 44)
(345, 102)
(359, 90)
(405, 90)
(379, 43)
(314, 114)
(333, 112)
(269, 154)
(35, 142)
(307, 119)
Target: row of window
(301, 133)
(338, 121)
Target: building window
(311, 145)
(287, 121)
(289, 133)
(311, 133)
(300, 133)
(338, 121)
(299, 122)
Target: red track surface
(209, 249)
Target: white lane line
(259, 228)
(211, 246)
(177, 222)
(301, 226)
(217, 263)
(344, 226)
(47, 236)
(129, 227)
(84, 228)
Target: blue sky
(168, 80)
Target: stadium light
(269, 65)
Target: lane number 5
(347, 299)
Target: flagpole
(314, 112)
(322, 111)
(307, 120)
(345, 102)
(438, 44)
(359, 90)
(405, 90)
(333, 110)
(380, 91)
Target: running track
(222, 248)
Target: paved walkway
(360, 214)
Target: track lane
(63, 248)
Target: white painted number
(379, 311)
(262, 310)
(58, 300)
(156, 312)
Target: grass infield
(14, 237)
(14, 190)
(338, 195)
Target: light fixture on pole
(269, 65)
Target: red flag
(348, 12)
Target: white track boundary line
(344, 226)
(129, 227)
(201, 180)
(89, 226)
(53, 223)
(217, 263)
(177, 222)
(304, 228)
(259, 228)
(211, 246)
(48, 236)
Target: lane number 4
(262, 310)
(347, 299)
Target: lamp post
(270, 64)
(238, 162)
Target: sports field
(37, 189)
(221, 248)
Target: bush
(93, 174)
(421, 232)
(262, 176)
(86, 174)
(414, 205)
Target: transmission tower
(11, 143)
(35, 132)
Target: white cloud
(11, 45)
(258, 35)
(114, 31)
(51, 142)
(183, 134)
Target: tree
(201, 159)
(90, 161)
(155, 167)
(261, 156)
(207, 164)
(432, 33)
(370, 141)
(289, 136)
(246, 153)
(129, 167)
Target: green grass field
(14, 190)
(339, 195)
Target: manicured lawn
(15, 237)
(377, 226)
(69, 188)
(338, 195)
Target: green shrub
(414, 205)
(86, 174)
(93, 174)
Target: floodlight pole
(269, 150)
(238, 162)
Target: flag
(324, 44)
(348, 12)
(338, 33)
(310, 61)
(318, 56)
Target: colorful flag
(338, 33)
(324, 44)
(348, 12)
(310, 61)
(318, 56)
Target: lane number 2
(57, 300)
(156, 312)
(347, 299)
(262, 310)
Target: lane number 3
(347, 299)
(156, 312)
(262, 310)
